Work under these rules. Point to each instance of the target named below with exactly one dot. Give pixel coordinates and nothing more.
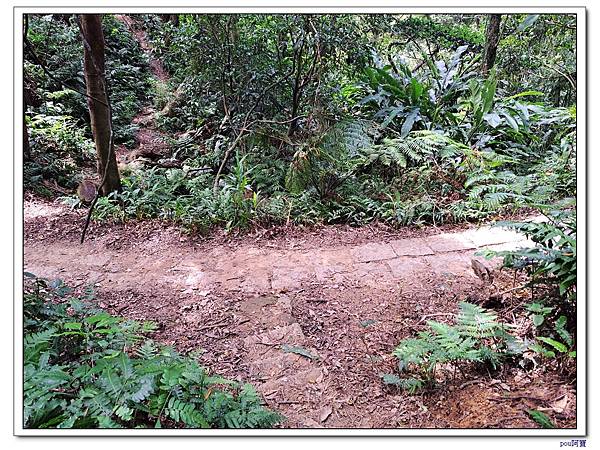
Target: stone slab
(491, 235)
(265, 312)
(411, 247)
(285, 278)
(277, 366)
(293, 386)
(406, 267)
(325, 272)
(257, 282)
(373, 252)
(449, 242)
(451, 264)
(525, 243)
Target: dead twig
(499, 421)
(517, 397)
(218, 324)
(433, 315)
(469, 383)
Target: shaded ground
(310, 318)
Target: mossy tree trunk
(98, 104)
(492, 37)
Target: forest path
(258, 269)
(151, 143)
(310, 323)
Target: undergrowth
(477, 338)
(551, 266)
(85, 368)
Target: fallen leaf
(325, 413)
(298, 350)
(560, 405)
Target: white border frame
(311, 7)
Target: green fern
(477, 337)
(77, 375)
(411, 385)
(324, 163)
(415, 148)
(477, 322)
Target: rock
(325, 413)
(86, 191)
(482, 271)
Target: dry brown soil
(344, 296)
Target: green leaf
(416, 90)
(538, 319)
(538, 348)
(511, 121)
(492, 119)
(559, 326)
(526, 94)
(541, 418)
(555, 344)
(298, 350)
(389, 378)
(409, 122)
(391, 116)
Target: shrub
(553, 261)
(552, 266)
(58, 146)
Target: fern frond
(180, 411)
(476, 337)
(412, 385)
(416, 147)
(412, 351)
(476, 322)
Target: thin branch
(245, 128)
(565, 75)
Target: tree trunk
(26, 147)
(492, 37)
(100, 114)
(30, 98)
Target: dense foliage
(84, 368)
(313, 118)
(552, 269)
(59, 134)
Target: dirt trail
(150, 142)
(311, 323)
(258, 270)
